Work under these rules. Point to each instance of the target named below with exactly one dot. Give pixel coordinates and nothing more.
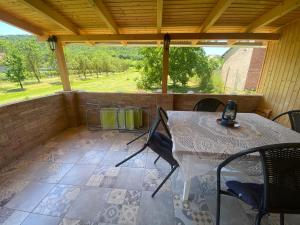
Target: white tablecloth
(200, 143)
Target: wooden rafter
(9, 18)
(53, 15)
(159, 15)
(217, 11)
(274, 14)
(105, 15)
(174, 36)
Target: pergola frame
(246, 37)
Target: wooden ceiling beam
(275, 13)
(11, 19)
(159, 15)
(215, 14)
(105, 15)
(174, 36)
(50, 13)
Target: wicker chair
(208, 105)
(280, 192)
(160, 144)
(294, 116)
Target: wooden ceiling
(87, 18)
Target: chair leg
(258, 218)
(164, 181)
(218, 207)
(281, 219)
(131, 156)
(156, 159)
(138, 137)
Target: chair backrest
(208, 105)
(164, 120)
(281, 166)
(161, 118)
(294, 117)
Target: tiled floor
(71, 180)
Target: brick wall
(27, 124)
(246, 103)
(256, 63)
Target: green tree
(184, 64)
(151, 67)
(82, 63)
(33, 58)
(15, 69)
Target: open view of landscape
(28, 69)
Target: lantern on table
(229, 114)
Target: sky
(6, 29)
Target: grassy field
(118, 82)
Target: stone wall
(27, 124)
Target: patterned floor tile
(117, 196)
(128, 214)
(104, 176)
(87, 159)
(58, 201)
(133, 197)
(110, 214)
(183, 217)
(95, 180)
(154, 177)
(202, 218)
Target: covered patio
(54, 171)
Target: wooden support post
(62, 66)
(164, 83)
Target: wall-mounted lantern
(52, 42)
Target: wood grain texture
(280, 79)
(57, 17)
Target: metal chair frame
(161, 116)
(207, 102)
(265, 208)
(290, 113)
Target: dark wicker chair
(160, 144)
(294, 116)
(208, 105)
(280, 192)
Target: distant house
(242, 67)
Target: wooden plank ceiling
(91, 18)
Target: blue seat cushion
(250, 193)
(162, 145)
(162, 141)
